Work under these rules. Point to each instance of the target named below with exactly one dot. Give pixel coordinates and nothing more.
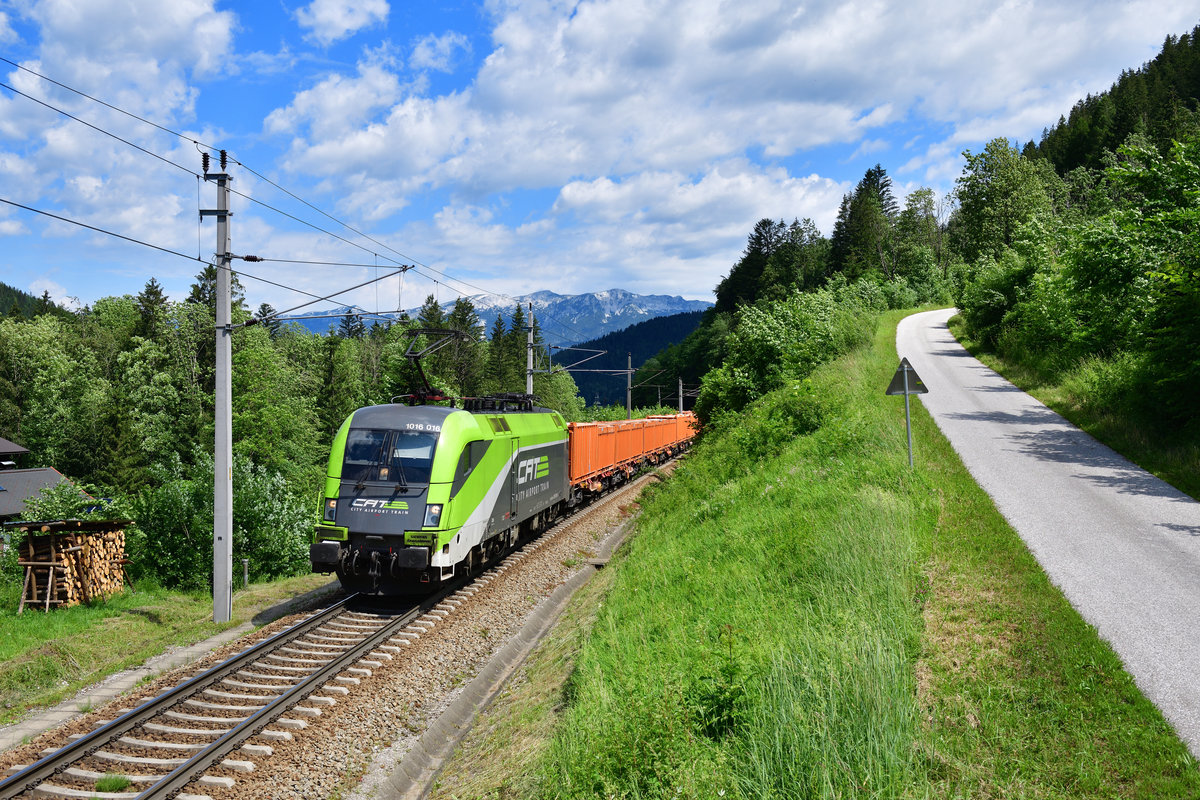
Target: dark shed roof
(18, 484)
(8, 448)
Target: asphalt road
(1123, 546)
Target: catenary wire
(445, 277)
(96, 128)
(102, 230)
(318, 298)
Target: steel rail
(189, 771)
(60, 759)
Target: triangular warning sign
(915, 384)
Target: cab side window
(472, 454)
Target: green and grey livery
(416, 494)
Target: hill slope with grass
(801, 615)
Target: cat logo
(533, 469)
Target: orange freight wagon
(599, 449)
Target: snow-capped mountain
(564, 319)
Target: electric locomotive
(417, 494)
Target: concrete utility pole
(628, 386)
(529, 355)
(223, 447)
(680, 395)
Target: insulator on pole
(223, 161)
(204, 161)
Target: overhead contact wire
(260, 176)
(102, 230)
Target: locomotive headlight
(433, 515)
(330, 509)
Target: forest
(119, 398)
(1078, 257)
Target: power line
(106, 105)
(318, 299)
(102, 230)
(319, 263)
(445, 277)
(97, 128)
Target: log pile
(71, 562)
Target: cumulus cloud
(12, 227)
(338, 106)
(640, 136)
(330, 21)
(612, 88)
(7, 34)
(58, 293)
(663, 131)
(439, 52)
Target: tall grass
(760, 637)
(803, 616)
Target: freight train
(415, 495)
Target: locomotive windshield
(401, 457)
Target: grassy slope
(46, 657)
(822, 622)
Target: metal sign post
(906, 381)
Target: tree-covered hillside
(16, 303)
(791, 282)
(640, 342)
(1159, 101)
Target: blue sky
(509, 146)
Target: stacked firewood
(71, 562)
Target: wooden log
(25, 589)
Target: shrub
(993, 290)
(787, 340)
(270, 524)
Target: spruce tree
(150, 302)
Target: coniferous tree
(517, 341)
(497, 356)
(862, 235)
(351, 327)
(45, 305)
(150, 302)
(266, 313)
(743, 284)
(204, 291)
(465, 359)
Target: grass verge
(45, 657)
(1095, 397)
(809, 618)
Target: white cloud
(338, 106)
(438, 52)
(644, 120)
(610, 88)
(7, 34)
(330, 21)
(57, 292)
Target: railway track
(261, 694)
(228, 732)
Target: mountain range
(563, 318)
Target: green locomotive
(417, 494)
